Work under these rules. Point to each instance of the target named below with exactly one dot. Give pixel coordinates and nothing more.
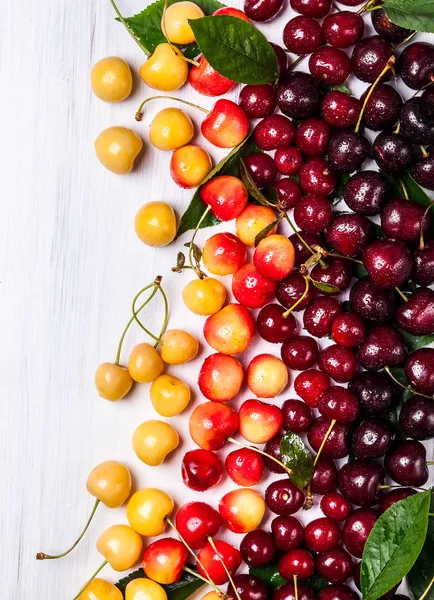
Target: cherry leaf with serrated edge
(295, 455)
(412, 14)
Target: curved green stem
(405, 387)
(389, 65)
(124, 23)
(294, 306)
(228, 573)
(255, 449)
(291, 224)
(100, 568)
(139, 112)
(407, 39)
(166, 312)
(309, 501)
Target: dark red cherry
(349, 234)
(310, 384)
(201, 469)
(383, 108)
(312, 136)
(393, 152)
(312, 8)
(372, 303)
(386, 29)
(419, 370)
(262, 168)
(417, 121)
(316, 177)
(339, 404)
(330, 65)
(319, 315)
(258, 548)
(338, 362)
(283, 497)
(423, 264)
(282, 58)
(301, 252)
(335, 565)
(273, 327)
(335, 506)
(297, 416)
(347, 150)
(313, 213)
(395, 496)
(287, 592)
(299, 353)
(374, 391)
(388, 263)
(337, 444)
(359, 481)
(339, 109)
(403, 220)
(288, 192)
(416, 316)
(369, 58)
(343, 29)
(322, 534)
(348, 330)
(288, 160)
(337, 273)
(272, 447)
(299, 95)
(383, 346)
(428, 94)
(325, 475)
(291, 289)
(422, 172)
(249, 587)
(297, 563)
(275, 131)
(262, 10)
(337, 592)
(350, 2)
(258, 101)
(366, 193)
(302, 35)
(405, 463)
(371, 439)
(416, 64)
(288, 533)
(357, 528)
(416, 418)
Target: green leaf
(338, 194)
(146, 25)
(264, 232)
(394, 545)
(422, 572)
(269, 575)
(295, 456)
(341, 87)
(317, 583)
(328, 288)
(414, 342)
(236, 49)
(251, 186)
(412, 14)
(359, 270)
(180, 590)
(229, 165)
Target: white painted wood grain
(69, 266)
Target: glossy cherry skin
(324, 476)
(335, 506)
(339, 109)
(310, 385)
(339, 404)
(337, 444)
(282, 59)
(374, 392)
(405, 463)
(337, 272)
(209, 558)
(347, 151)
(311, 137)
(369, 58)
(349, 234)
(319, 315)
(416, 64)
(322, 534)
(262, 10)
(316, 177)
(196, 521)
(423, 264)
(248, 587)
(226, 125)
(403, 220)
(288, 160)
(417, 120)
(273, 327)
(288, 192)
(258, 548)
(395, 496)
(300, 250)
(348, 330)
(201, 470)
(298, 563)
(312, 8)
(371, 439)
(244, 466)
(287, 592)
(383, 108)
(272, 447)
(383, 346)
(338, 362)
(283, 497)
(258, 101)
(337, 592)
(343, 29)
(330, 65)
(359, 482)
(299, 353)
(288, 532)
(422, 172)
(393, 152)
(262, 168)
(388, 263)
(357, 528)
(291, 289)
(205, 80)
(335, 565)
(250, 288)
(416, 418)
(297, 416)
(366, 193)
(299, 95)
(416, 316)
(313, 213)
(372, 303)
(386, 29)
(302, 35)
(419, 369)
(273, 132)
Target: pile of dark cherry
(310, 154)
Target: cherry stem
(423, 88)
(325, 253)
(404, 189)
(405, 387)
(365, 7)
(228, 573)
(296, 61)
(166, 316)
(425, 214)
(294, 306)
(139, 112)
(196, 268)
(401, 293)
(295, 586)
(388, 66)
(429, 586)
(100, 568)
(425, 152)
(401, 487)
(124, 23)
(255, 449)
(323, 443)
(430, 462)
(305, 244)
(43, 556)
(407, 39)
(164, 32)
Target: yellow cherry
(111, 79)
(153, 440)
(176, 22)
(211, 596)
(204, 296)
(121, 546)
(99, 589)
(155, 224)
(117, 148)
(169, 395)
(144, 363)
(147, 510)
(112, 381)
(165, 70)
(178, 347)
(144, 589)
(110, 482)
(189, 165)
(171, 128)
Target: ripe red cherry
(416, 64)
(212, 561)
(272, 447)
(347, 150)
(205, 80)
(369, 58)
(261, 168)
(405, 463)
(262, 10)
(324, 476)
(291, 289)
(301, 252)
(388, 30)
(249, 587)
(357, 528)
(273, 327)
(349, 234)
(383, 346)
(226, 125)
(372, 303)
(312, 8)
(337, 273)
(335, 565)
(416, 418)
(258, 548)
(311, 137)
(320, 314)
(348, 330)
(330, 65)
(359, 482)
(313, 213)
(395, 496)
(423, 264)
(288, 192)
(196, 521)
(316, 177)
(343, 29)
(226, 195)
(366, 192)
(335, 506)
(310, 385)
(338, 362)
(288, 160)
(201, 470)
(419, 370)
(339, 109)
(250, 288)
(339, 404)
(371, 439)
(382, 109)
(244, 466)
(299, 95)
(322, 534)
(297, 416)
(296, 562)
(283, 497)
(259, 421)
(338, 592)
(273, 132)
(337, 444)
(287, 592)
(258, 101)
(416, 316)
(302, 35)
(211, 423)
(404, 220)
(299, 353)
(288, 533)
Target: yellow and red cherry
(232, 12)
(171, 128)
(165, 69)
(211, 423)
(110, 483)
(258, 421)
(230, 330)
(226, 125)
(178, 347)
(205, 80)
(117, 148)
(175, 22)
(201, 470)
(245, 466)
(121, 546)
(242, 510)
(274, 257)
(196, 521)
(144, 589)
(212, 559)
(169, 395)
(189, 165)
(112, 381)
(144, 363)
(204, 296)
(147, 510)
(111, 79)
(153, 441)
(164, 560)
(220, 377)
(99, 589)
(223, 254)
(267, 376)
(226, 195)
(252, 221)
(251, 289)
